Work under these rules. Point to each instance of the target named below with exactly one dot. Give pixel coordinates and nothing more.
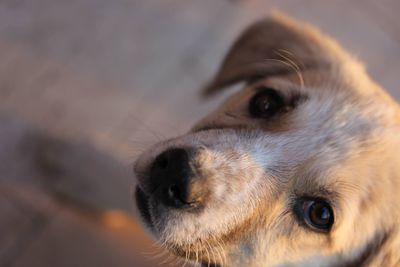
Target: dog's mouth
(142, 202)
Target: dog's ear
(275, 46)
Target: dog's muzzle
(171, 181)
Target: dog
(301, 167)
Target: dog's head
(299, 168)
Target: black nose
(174, 180)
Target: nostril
(174, 192)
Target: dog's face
(299, 168)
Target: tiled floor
(85, 85)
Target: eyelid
(296, 98)
(293, 97)
(231, 115)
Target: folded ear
(275, 46)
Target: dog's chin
(143, 205)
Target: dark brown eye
(317, 214)
(266, 103)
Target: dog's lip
(180, 251)
(142, 202)
(206, 264)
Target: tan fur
(342, 143)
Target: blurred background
(86, 85)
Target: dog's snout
(175, 183)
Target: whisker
(212, 252)
(219, 253)
(197, 255)
(164, 261)
(295, 61)
(292, 55)
(294, 66)
(208, 257)
(187, 253)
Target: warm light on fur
(341, 142)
